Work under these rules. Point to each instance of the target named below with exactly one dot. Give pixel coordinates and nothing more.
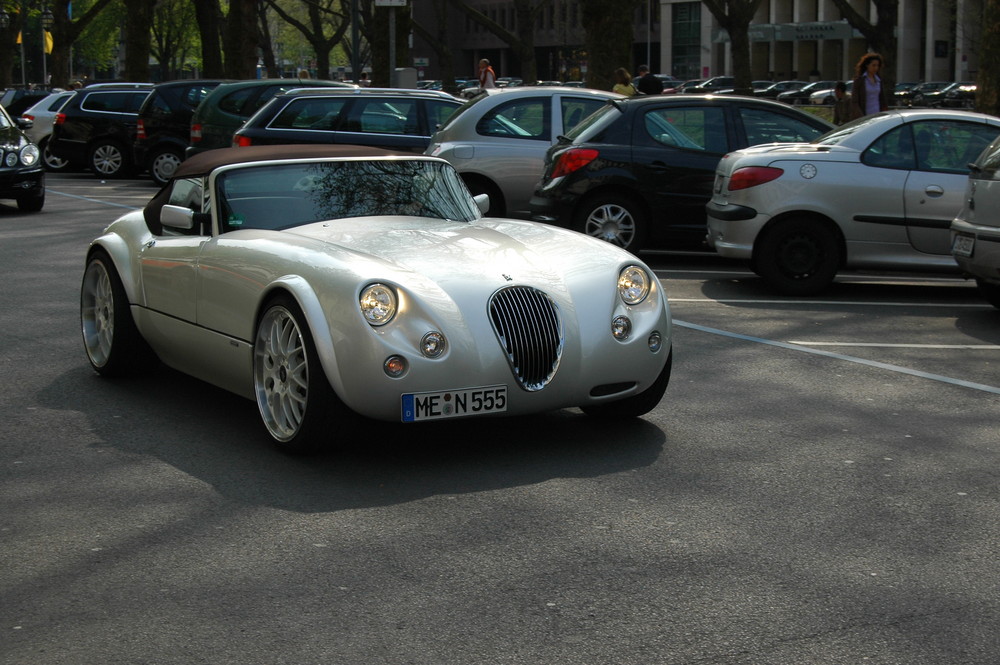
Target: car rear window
(763, 126)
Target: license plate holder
(964, 244)
(435, 405)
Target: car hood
(489, 251)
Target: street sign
(391, 3)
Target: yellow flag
(48, 41)
(18, 38)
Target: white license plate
(963, 245)
(454, 403)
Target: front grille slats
(527, 326)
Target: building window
(686, 40)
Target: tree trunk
(735, 17)
(241, 39)
(988, 78)
(138, 39)
(64, 33)
(608, 39)
(209, 18)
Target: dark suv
(96, 128)
(164, 125)
(226, 108)
(390, 118)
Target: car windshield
(282, 196)
(835, 136)
(596, 122)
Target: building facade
(790, 39)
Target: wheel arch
(121, 259)
(801, 214)
(472, 179)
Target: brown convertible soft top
(205, 162)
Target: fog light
(621, 328)
(10, 159)
(432, 344)
(655, 341)
(394, 366)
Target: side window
(380, 116)
(251, 106)
(521, 118)
(319, 114)
(763, 126)
(691, 128)
(193, 95)
(892, 150)
(134, 102)
(109, 102)
(438, 113)
(949, 146)
(575, 109)
(58, 102)
(233, 102)
(187, 193)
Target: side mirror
(483, 201)
(24, 123)
(183, 219)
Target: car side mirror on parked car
(24, 123)
(483, 201)
(183, 219)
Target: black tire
(31, 202)
(52, 163)
(798, 256)
(477, 185)
(110, 337)
(637, 405)
(163, 163)
(989, 291)
(297, 406)
(108, 159)
(614, 219)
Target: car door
(934, 189)
(675, 149)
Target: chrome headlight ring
(30, 154)
(378, 303)
(634, 284)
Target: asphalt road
(819, 485)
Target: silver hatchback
(497, 141)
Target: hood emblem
(507, 277)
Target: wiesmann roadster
(327, 282)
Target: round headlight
(432, 344)
(10, 159)
(621, 328)
(29, 154)
(633, 285)
(378, 304)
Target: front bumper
(16, 183)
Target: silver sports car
(327, 282)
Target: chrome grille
(527, 325)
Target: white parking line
(87, 198)
(838, 356)
(984, 347)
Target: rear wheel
(51, 162)
(614, 219)
(798, 256)
(163, 164)
(109, 159)
(297, 404)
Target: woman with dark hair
(868, 94)
(623, 83)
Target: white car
(976, 229)
(498, 140)
(326, 281)
(42, 115)
(877, 193)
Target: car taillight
(140, 129)
(60, 118)
(241, 141)
(195, 133)
(573, 159)
(751, 176)
(28, 117)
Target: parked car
(801, 95)
(681, 87)
(16, 100)
(391, 118)
(939, 98)
(22, 176)
(96, 128)
(930, 94)
(827, 95)
(878, 193)
(909, 96)
(229, 105)
(961, 96)
(498, 140)
(714, 84)
(163, 127)
(639, 172)
(975, 232)
(328, 281)
(772, 91)
(42, 117)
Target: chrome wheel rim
(97, 313)
(612, 223)
(281, 373)
(107, 159)
(51, 161)
(164, 165)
